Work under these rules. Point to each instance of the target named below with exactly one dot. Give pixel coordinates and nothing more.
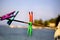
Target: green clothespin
(30, 29)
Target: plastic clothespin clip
(7, 16)
(10, 20)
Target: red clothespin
(31, 16)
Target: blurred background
(45, 13)
(43, 10)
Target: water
(7, 33)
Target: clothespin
(30, 23)
(10, 20)
(7, 16)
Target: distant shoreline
(36, 27)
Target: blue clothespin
(10, 20)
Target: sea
(7, 33)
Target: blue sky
(44, 9)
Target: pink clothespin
(7, 16)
